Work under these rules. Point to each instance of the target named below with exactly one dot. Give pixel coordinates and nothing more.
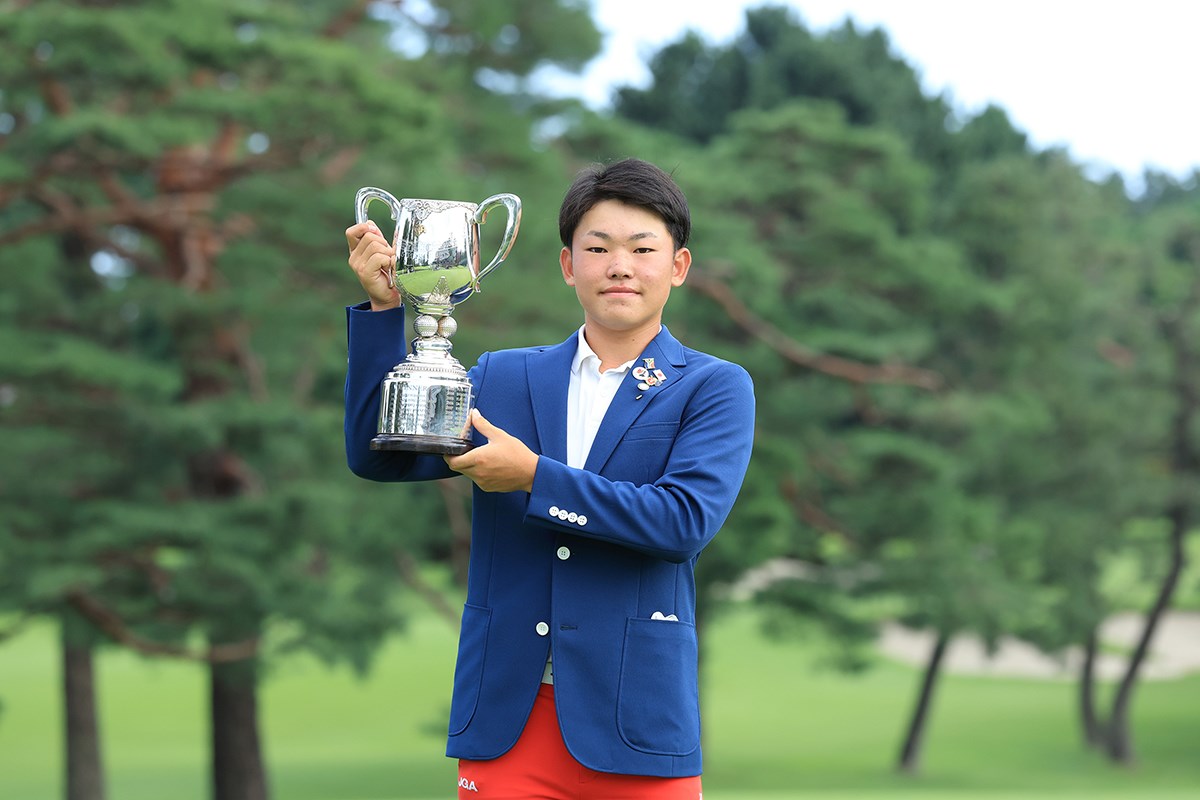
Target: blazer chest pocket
(651, 430)
(658, 700)
(642, 454)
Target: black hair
(633, 181)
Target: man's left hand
(504, 464)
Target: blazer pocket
(468, 672)
(658, 701)
(651, 430)
(641, 456)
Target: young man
(602, 467)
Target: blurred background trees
(974, 364)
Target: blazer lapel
(666, 355)
(548, 373)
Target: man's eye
(644, 250)
(595, 249)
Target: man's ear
(679, 270)
(568, 268)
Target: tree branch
(57, 98)
(411, 575)
(350, 16)
(813, 514)
(796, 353)
(112, 626)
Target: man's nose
(619, 266)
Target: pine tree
(174, 178)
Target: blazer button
(563, 514)
(554, 511)
(582, 520)
(564, 553)
(542, 629)
(572, 517)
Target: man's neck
(614, 348)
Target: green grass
(775, 727)
(834, 735)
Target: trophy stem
(433, 336)
(427, 399)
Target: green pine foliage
(972, 363)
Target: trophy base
(414, 443)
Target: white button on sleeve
(554, 511)
(562, 513)
(582, 520)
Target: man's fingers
(366, 240)
(469, 459)
(370, 253)
(480, 423)
(461, 463)
(373, 255)
(364, 234)
(504, 464)
(357, 232)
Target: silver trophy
(427, 399)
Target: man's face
(623, 263)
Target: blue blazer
(583, 562)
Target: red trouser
(538, 767)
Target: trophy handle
(363, 199)
(512, 204)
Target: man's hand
(504, 464)
(372, 259)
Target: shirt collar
(583, 352)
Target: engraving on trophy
(426, 400)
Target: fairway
(776, 725)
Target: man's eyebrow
(608, 238)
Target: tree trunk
(238, 772)
(85, 775)
(910, 754)
(1092, 728)
(1120, 739)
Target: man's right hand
(372, 259)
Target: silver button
(564, 553)
(562, 513)
(582, 520)
(572, 517)
(554, 511)
(542, 629)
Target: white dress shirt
(589, 395)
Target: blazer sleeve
(674, 517)
(375, 344)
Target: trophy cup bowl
(426, 400)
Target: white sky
(1113, 81)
